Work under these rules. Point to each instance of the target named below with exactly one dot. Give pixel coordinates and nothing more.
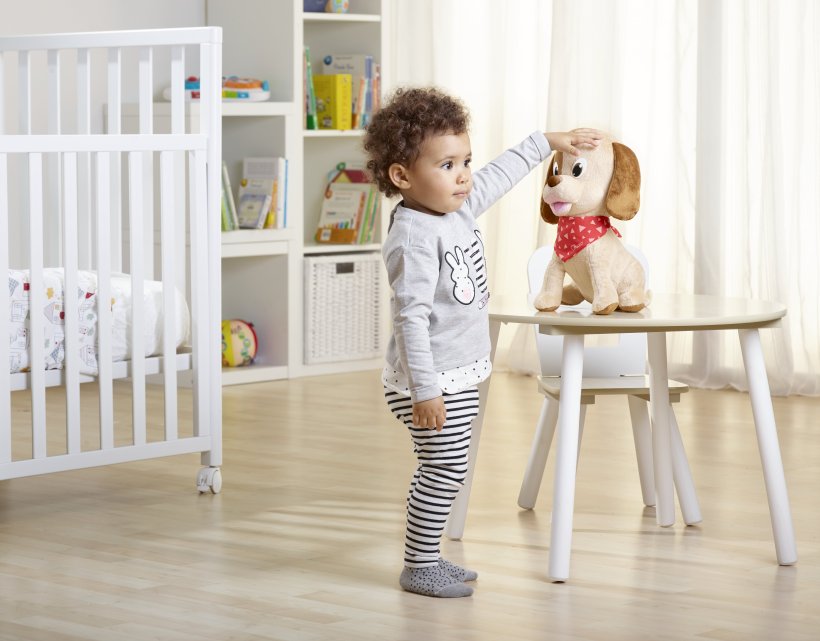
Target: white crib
(117, 214)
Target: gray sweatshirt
(438, 275)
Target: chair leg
(682, 475)
(642, 434)
(541, 443)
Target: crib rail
(86, 196)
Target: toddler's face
(440, 179)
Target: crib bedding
(53, 310)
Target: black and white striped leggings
(440, 474)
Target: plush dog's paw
(546, 303)
(571, 295)
(598, 308)
(631, 308)
(634, 300)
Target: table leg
(458, 513)
(769, 446)
(569, 412)
(661, 430)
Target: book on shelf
(230, 221)
(263, 184)
(364, 72)
(349, 207)
(253, 210)
(227, 223)
(310, 97)
(333, 100)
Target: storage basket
(342, 307)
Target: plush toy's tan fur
(603, 273)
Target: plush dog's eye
(555, 169)
(579, 167)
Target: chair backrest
(605, 355)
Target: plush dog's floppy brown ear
(546, 210)
(624, 196)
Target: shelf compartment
(254, 289)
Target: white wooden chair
(617, 367)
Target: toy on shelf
(327, 6)
(239, 343)
(234, 89)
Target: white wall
(57, 16)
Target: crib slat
(54, 98)
(168, 254)
(212, 52)
(83, 92)
(36, 305)
(115, 127)
(146, 126)
(24, 88)
(85, 199)
(211, 111)
(54, 91)
(114, 122)
(71, 364)
(178, 127)
(53, 216)
(200, 319)
(146, 87)
(104, 316)
(137, 296)
(5, 377)
(177, 90)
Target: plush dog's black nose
(552, 181)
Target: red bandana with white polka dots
(576, 232)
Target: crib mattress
(53, 310)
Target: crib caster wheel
(209, 479)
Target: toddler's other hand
(430, 414)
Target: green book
(311, 121)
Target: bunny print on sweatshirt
(463, 286)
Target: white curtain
(719, 99)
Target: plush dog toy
(580, 195)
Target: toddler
(418, 147)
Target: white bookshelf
(263, 271)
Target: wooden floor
(305, 542)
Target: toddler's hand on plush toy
(572, 142)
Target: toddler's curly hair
(398, 129)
